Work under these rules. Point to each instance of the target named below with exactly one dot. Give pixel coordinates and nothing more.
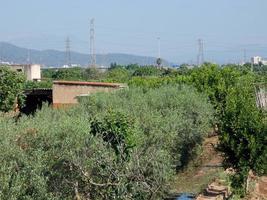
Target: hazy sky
(132, 26)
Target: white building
(32, 72)
(256, 60)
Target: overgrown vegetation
(122, 145)
(243, 136)
(11, 89)
(38, 84)
(128, 144)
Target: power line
(92, 43)
(68, 53)
(200, 56)
(159, 61)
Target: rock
(262, 187)
(203, 197)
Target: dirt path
(206, 177)
(202, 171)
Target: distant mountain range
(53, 58)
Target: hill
(15, 54)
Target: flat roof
(100, 84)
(38, 91)
(17, 65)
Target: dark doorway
(35, 98)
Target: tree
(68, 74)
(118, 74)
(11, 88)
(38, 84)
(116, 130)
(243, 133)
(159, 62)
(93, 74)
(147, 71)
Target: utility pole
(92, 44)
(200, 56)
(67, 53)
(159, 61)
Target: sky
(227, 27)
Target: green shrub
(118, 74)
(93, 74)
(156, 82)
(11, 88)
(148, 71)
(115, 129)
(243, 132)
(38, 84)
(75, 73)
(215, 82)
(175, 118)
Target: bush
(93, 74)
(118, 74)
(175, 118)
(148, 71)
(115, 130)
(11, 88)
(156, 82)
(114, 146)
(55, 155)
(68, 74)
(38, 84)
(243, 133)
(215, 82)
(242, 126)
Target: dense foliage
(121, 145)
(174, 114)
(116, 73)
(147, 71)
(135, 137)
(11, 88)
(38, 84)
(241, 124)
(243, 136)
(75, 73)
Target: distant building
(32, 72)
(65, 66)
(71, 66)
(4, 63)
(75, 65)
(256, 60)
(103, 68)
